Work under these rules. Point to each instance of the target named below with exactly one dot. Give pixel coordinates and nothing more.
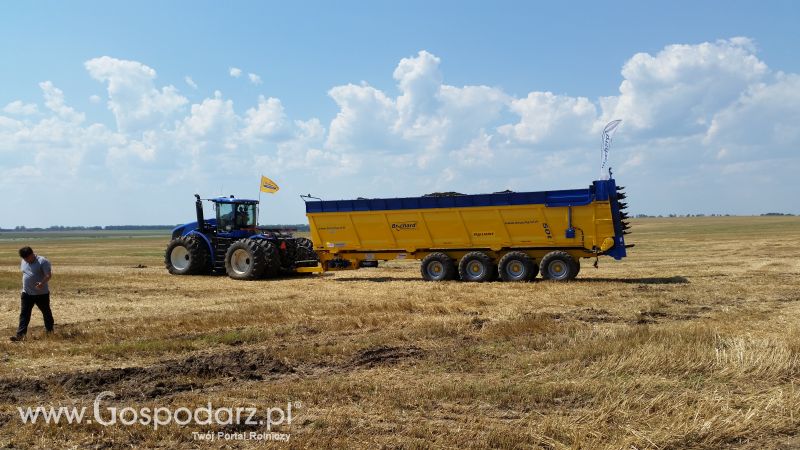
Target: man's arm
(48, 273)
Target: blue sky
(118, 113)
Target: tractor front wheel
(187, 255)
(245, 260)
(272, 259)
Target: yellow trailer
(473, 237)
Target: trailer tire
(438, 267)
(517, 266)
(246, 259)
(272, 258)
(558, 266)
(477, 267)
(187, 255)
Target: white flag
(608, 134)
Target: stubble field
(691, 342)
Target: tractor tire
(187, 255)
(577, 267)
(477, 267)
(246, 259)
(517, 266)
(287, 254)
(273, 260)
(438, 267)
(558, 266)
(305, 250)
(304, 243)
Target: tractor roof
(234, 200)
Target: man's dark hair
(24, 252)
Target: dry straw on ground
(692, 342)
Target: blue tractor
(233, 243)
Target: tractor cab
(235, 214)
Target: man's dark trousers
(43, 303)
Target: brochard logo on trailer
(404, 226)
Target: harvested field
(691, 342)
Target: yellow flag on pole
(268, 185)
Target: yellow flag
(268, 185)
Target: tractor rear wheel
(559, 266)
(245, 260)
(477, 267)
(438, 267)
(305, 250)
(517, 266)
(187, 255)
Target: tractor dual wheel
(272, 258)
(187, 255)
(559, 266)
(438, 267)
(517, 266)
(305, 250)
(246, 259)
(477, 267)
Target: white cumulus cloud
(19, 108)
(683, 86)
(132, 96)
(255, 79)
(54, 101)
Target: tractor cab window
(245, 216)
(235, 216)
(225, 216)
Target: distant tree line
(644, 216)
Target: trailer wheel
(271, 257)
(517, 266)
(187, 255)
(558, 266)
(438, 267)
(477, 266)
(245, 260)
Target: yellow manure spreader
(473, 237)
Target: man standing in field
(35, 275)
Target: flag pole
(258, 214)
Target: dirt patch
(651, 317)
(478, 323)
(383, 355)
(593, 315)
(14, 390)
(165, 378)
